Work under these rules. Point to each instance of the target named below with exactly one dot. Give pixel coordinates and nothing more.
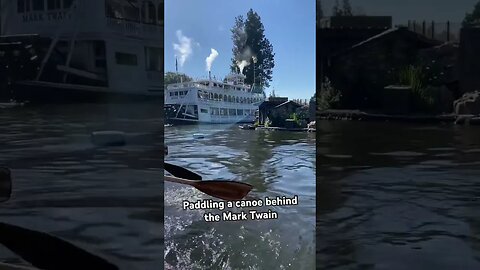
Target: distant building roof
(356, 22)
(288, 102)
(273, 102)
(423, 41)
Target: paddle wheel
(19, 60)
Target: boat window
(149, 13)
(215, 97)
(176, 93)
(225, 98)
(232, 112)
(237, 100)
(123, 9)
(67, 3)
(211, 95)
(203, 110)
(38, 5)
(28, 5)
(126, 59)
(131, 10)
(154, 58)
(239, 112)
(220, 97)
(171, 94)
(21, 6)
(54, 4)
(161, 14)
(152, 13)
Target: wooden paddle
(226, 190)
(7, 266)
(42, 250)
(181, 172)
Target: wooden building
(363, 70)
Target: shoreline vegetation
(358, 115)
(423, 78)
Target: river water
(398, 196)
(277, 164)
(106, 199)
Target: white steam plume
(209, 60)
(183, 48)
(242, 64)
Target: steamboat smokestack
(210, 75)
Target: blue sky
(205, 24)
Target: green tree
(173, 77)
(319, 10)
(472, 18)
(336, 9)
(251, 47)
(347, 8)
(239, 39)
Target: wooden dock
(286, 129)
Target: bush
(329, 97)
(424, 97)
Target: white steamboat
(81, 49)
(213, 101)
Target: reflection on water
(396, 196)
(276, 164)
(108, 200)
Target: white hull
(212, 102)
(225, 120)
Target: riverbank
(365, 116)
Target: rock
(469, 103)
(198, 136)
(108, 138)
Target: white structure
(211, 101)
(88, 47)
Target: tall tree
(239, 38)
(252, 51)
(347, 8)
(336, 9)
(319, 9)
(472, 18)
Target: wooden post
(433, 30)
(448, 30)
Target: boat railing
(133, 28)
